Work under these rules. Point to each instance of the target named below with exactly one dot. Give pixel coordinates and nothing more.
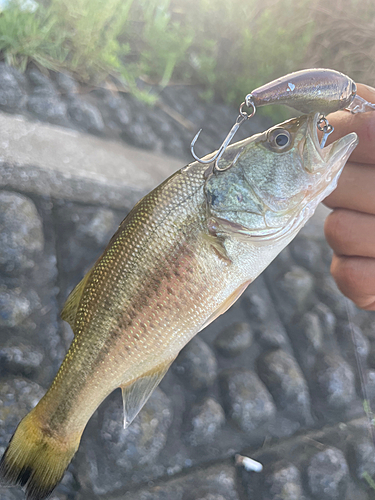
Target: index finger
(361, 123)
(355, 189)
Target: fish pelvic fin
(228, 302)
(217, 245)
(36, 459)
(136, 392)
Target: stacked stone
(30, 345)
(259, 381)
(168, 127)
(277, 364)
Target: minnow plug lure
(321, 91)
(307, 91)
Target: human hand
(350, 228)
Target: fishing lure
(322, 91)
(311, 90)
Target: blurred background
(227, 48)
(99, 100)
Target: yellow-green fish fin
(69, 311)
(136, 393)
(224, 306)
(36, 457)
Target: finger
(351, 233)
(361, 123)
(355, 189)
(355, 276)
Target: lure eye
(279, 139)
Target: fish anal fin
(136, 392)
(69, 311)
(225, 305)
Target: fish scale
(116, 281)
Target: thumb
(361, 123)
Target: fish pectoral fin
(69, 311)
(217, 245)
(224, 306)
(136, 392)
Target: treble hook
(243, 116)
(324, 126)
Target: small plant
(90, 30)
(26, 36)
(228, 48)
(165, 41)
(78, 35)
(366, 476)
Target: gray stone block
(21, 233)
(234, 339)
(196, 365)
(327, 474)
(282, 376)
(13, 85)
(246, 400)
(205, 421)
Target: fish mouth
(336, 153)
(323, 181)
(334, 157)
(313, 129)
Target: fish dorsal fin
(225, 305)
(136, 392)
(69, 311)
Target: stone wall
(169, 126)
(275, 378)
(277, 365)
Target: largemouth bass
(182, 257)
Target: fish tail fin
(36, 458)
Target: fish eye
(282, 140)
(279, 138)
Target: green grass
(80, 36)
(228, 48)
(366, 476)
(24, 37)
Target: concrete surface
(68, 154)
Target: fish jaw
(334, 158)
(278, 196)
